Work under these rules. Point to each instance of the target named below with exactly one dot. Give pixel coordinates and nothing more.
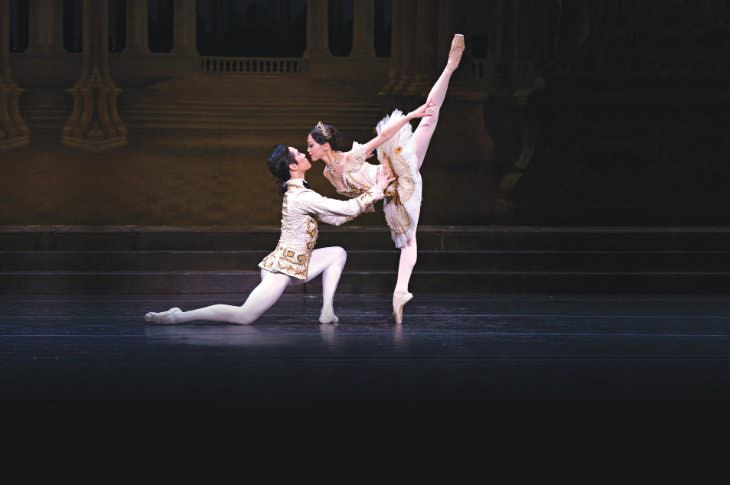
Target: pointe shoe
(400, 298)
(456, 51)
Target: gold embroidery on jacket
(312, 232)
(287, 261)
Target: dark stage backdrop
(562, 113)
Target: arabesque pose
(402, 152)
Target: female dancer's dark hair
(279, 162)
(326, 134)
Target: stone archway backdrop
(145, 112)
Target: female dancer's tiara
(320, 127)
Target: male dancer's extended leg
(262, 298)
(329, 262)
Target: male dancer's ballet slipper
(457, 49)
(161, 318)
(329, 318)
(152, 317)
(400, 298)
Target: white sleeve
(336, 212)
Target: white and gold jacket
(300, 211)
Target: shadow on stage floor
(470, 387)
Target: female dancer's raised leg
(419, 142)
(422, 136)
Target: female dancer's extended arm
(393, 127)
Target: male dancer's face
(302, 162)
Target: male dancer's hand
(388, 169)
(383, 178)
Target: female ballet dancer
(402, 152)
(294, 261)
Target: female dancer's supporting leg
(326, 261)
(419, 142)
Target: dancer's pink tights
(419, 143)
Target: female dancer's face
(316, 150)
(302, 163)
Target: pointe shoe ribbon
(400, 298)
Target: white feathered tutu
(402, 205)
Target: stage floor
(469, 389)
(450, 348)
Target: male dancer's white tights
(329, 262)
(419, 143)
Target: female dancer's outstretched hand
(428, 109)
(425, 109)
(384, 177)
